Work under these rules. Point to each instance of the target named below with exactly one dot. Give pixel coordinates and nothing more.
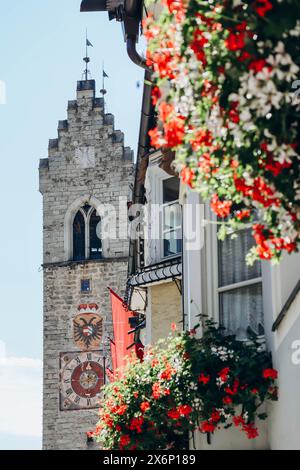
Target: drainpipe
(133, 54)
(133, 13)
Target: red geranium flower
(257, 65)
(185, 410)
(250, 430)
(168, 373)
(187, 176)
(215, 416)
(120, 410)
(203, 378)
(145, 406)
(206, 426)
(235, 41)
(165, 111)
(174, 132)
(270, 374)
(156, 95)
(197, 45)
(220, 208)
(136, 424)
(176, 7)
(227, 400)
(243, 214)
(202, 138)
(173, 414)
(238, 420)
(154, 363)
(244, 56)
(223, 374)
(262, 7)
(156, 391)
(157, 139)
(234, 389)
(124, 440)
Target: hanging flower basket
(225, 76)
(186, 384)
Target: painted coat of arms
(88, 331)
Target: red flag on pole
(122, 340)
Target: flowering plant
(224, 73)
(186, 384)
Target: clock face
(81, 380)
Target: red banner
(122, 340)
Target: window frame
(88, 242)
(90, 286)
(177, 228)
(87, 219)
(212, 269)
(154, 248)
(82, 212)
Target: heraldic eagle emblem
(88, 331)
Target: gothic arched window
(79, 237)
(95, 236)
(87, 234)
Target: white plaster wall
(282, 429)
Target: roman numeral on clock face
(77, 400)
(78, 360)
(88, 402)
(69, 392)
(89, 356)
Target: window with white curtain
(172, 224)
(239, 287)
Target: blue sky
(41, 49)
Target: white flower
(219, 382)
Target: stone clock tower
(85, 182)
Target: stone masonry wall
(87, 162)
(67, 429)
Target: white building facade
(266, 298)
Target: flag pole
(103, 74)
(86, 43)
(86, 58)
(86, 54)
(103, 91)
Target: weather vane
(103, 91)
(86, 59)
